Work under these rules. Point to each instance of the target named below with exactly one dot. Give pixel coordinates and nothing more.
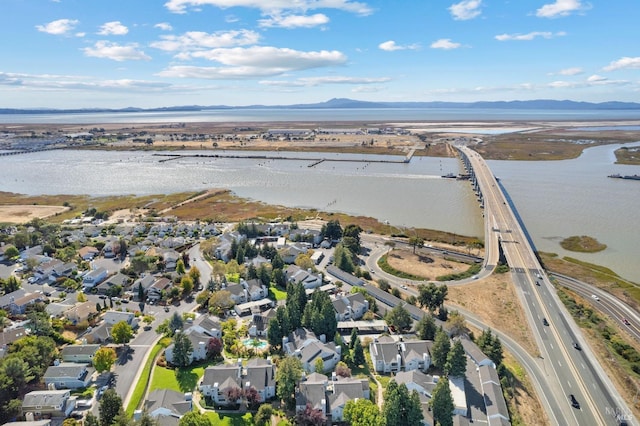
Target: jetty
(629, 177)
(314, 161)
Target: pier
(314, 161)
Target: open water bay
(555, 199)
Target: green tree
(180, 268)
(319, 315)
(11, 252)
(91, 420)
(353, 337)
(400, 407)
(104, 359)
(491, 346)
(110, 406)
(399, 318)
(140, 292)
(457, 324)
(304, 261)
(318, 365)
(182, 350)
(187, 285)
(175, 323)
(384, 284)
(440, 349)
(362, 412)
(263, 416)
(10, 285)
(456, 365)
(17, 372)
(220, 302)
(331, 230)
(38, 351)
(288, 374)
(442, 403)
(274, 333)
(121, 333)
(80, 297)
(194, 274)
(416, 241)
(351, 238)
(426, 328)
(358, 353)
(121, 419)
(194, 418)
(343, 258)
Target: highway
(569, 371)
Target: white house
(304, 344)
(94, 277)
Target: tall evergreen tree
(110, 406)
(442, 403)
(426, 328)
(182, 350)
(440, 349)
(456, 365)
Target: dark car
(625, 321)
(577, 346)
(544, 321)
(574, 401)
(537, 283)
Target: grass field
(229, 419)
(141, 386)
(181, 380)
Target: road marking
(583, 367)
(569, 383)
(551, 344)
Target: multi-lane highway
(569, 371)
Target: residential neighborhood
(268, 314)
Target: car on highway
(594, 297)
(626, 321)
(404, 287)
(544, 321)
(577, 346)
(538, 283)
(574, 401)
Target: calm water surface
(555, 199)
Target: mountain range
(345, 103)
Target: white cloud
(624, 63)
(76, 82)
(318, 81)
(254, 62)
(113, 28)
(391, 46)
(294, 21)
(445, 43)
(561, 8)
(466, 9)
(59, 27)
(117, 52)
(197, 40)
(596, 78)
(529, 36)
(164, 26)
(272, 6)
(570, 71)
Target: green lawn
(180, 380)
(141, 386)
(276, 293)
(229, 419)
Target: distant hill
(345, 103)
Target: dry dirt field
(24, 213)
(423, 266)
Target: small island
(583, 244)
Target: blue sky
(115, 53)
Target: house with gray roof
(344, 389)
(304, 344)
(80, 312)
(260, 374)
(473, 351)
(238, 293)
(93, 278)
(198, 341)
(19, 305)
(117, 281)
(345, 277)
(7, 299)
(350, 307)
(68, 375)
(297, 275)
(388, 356)
(312, 391)
(416, 380)
(167, 406)
(495, 404)
(217, 379)
(45, 403)
(79, 353)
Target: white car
(594, 297)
